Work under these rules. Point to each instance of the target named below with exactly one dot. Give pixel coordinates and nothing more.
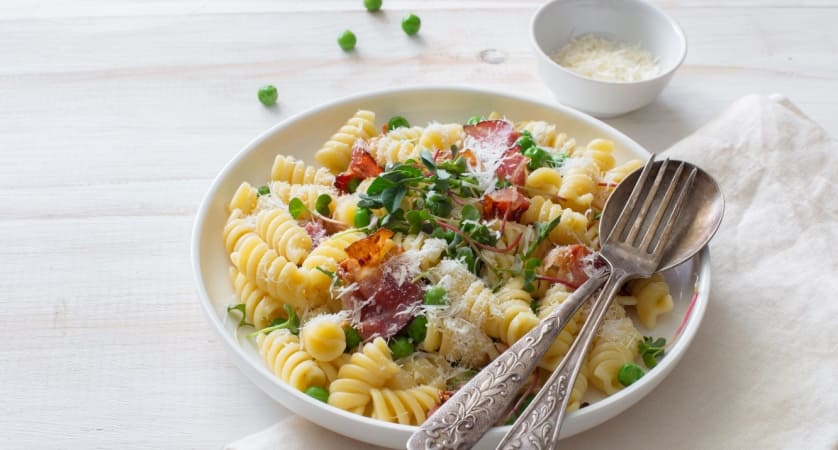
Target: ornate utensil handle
(462, 420)
(538, 426)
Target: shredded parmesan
(598, 58)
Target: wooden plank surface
(115, 117)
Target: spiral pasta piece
(293, 171)
(270, 272)
(601, 151)
(579, 183)
(437, 136)
(307, 193)
(544, 180)
(544, 134)
(337, 151)
(277, 228)
(619, 173)
(457, 340)
(323, 337)
(571, 227)
(288, 361)
(260, 308)
(396, 146)
(368, 368)
(515, 307)
(237, 226)
(406, 407)
(332, 368)
(345, 207)
(614, 345)
(326, 257)
(244, 199)
(426, 250)
(653, 298)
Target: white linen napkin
(762, 371)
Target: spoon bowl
(697, 222)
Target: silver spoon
(462, 420)
(629, 257)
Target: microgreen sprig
(292, 324)
(651, 350)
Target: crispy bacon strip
(361, 166)
(507, 203)
(568, 263)
(383, 302)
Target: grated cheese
(601, 59)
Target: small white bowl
(630, 21)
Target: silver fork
(539, 425)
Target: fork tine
(662, 208)
(661, 244)
(647, 202)
(625, 214)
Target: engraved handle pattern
(538, 426)
(462, 420)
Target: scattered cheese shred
(601, 59)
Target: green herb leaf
(456, 166)
(322, 204)
(292, 323)
(379, 184)
(528, 269)
(263, 190)
(241, 309)
(542, 230)
(392, 198)
(469, 212)
(428, 160)
(397, 122)
(651, 350)
(297, 208)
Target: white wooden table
(116, 115)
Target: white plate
(303, 134)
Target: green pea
(363, 217)
(417, 329)
(352, 337)
(347, 40)
(401, 347)
(372, 5)
(435, 295)
(319, 393)
(397, 122)
(263, 190)
(267, 94)
(439, 204)
(629, 373)
(411, 24)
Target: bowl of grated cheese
(606, 57)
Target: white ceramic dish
(631, 21)
(301, 136)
